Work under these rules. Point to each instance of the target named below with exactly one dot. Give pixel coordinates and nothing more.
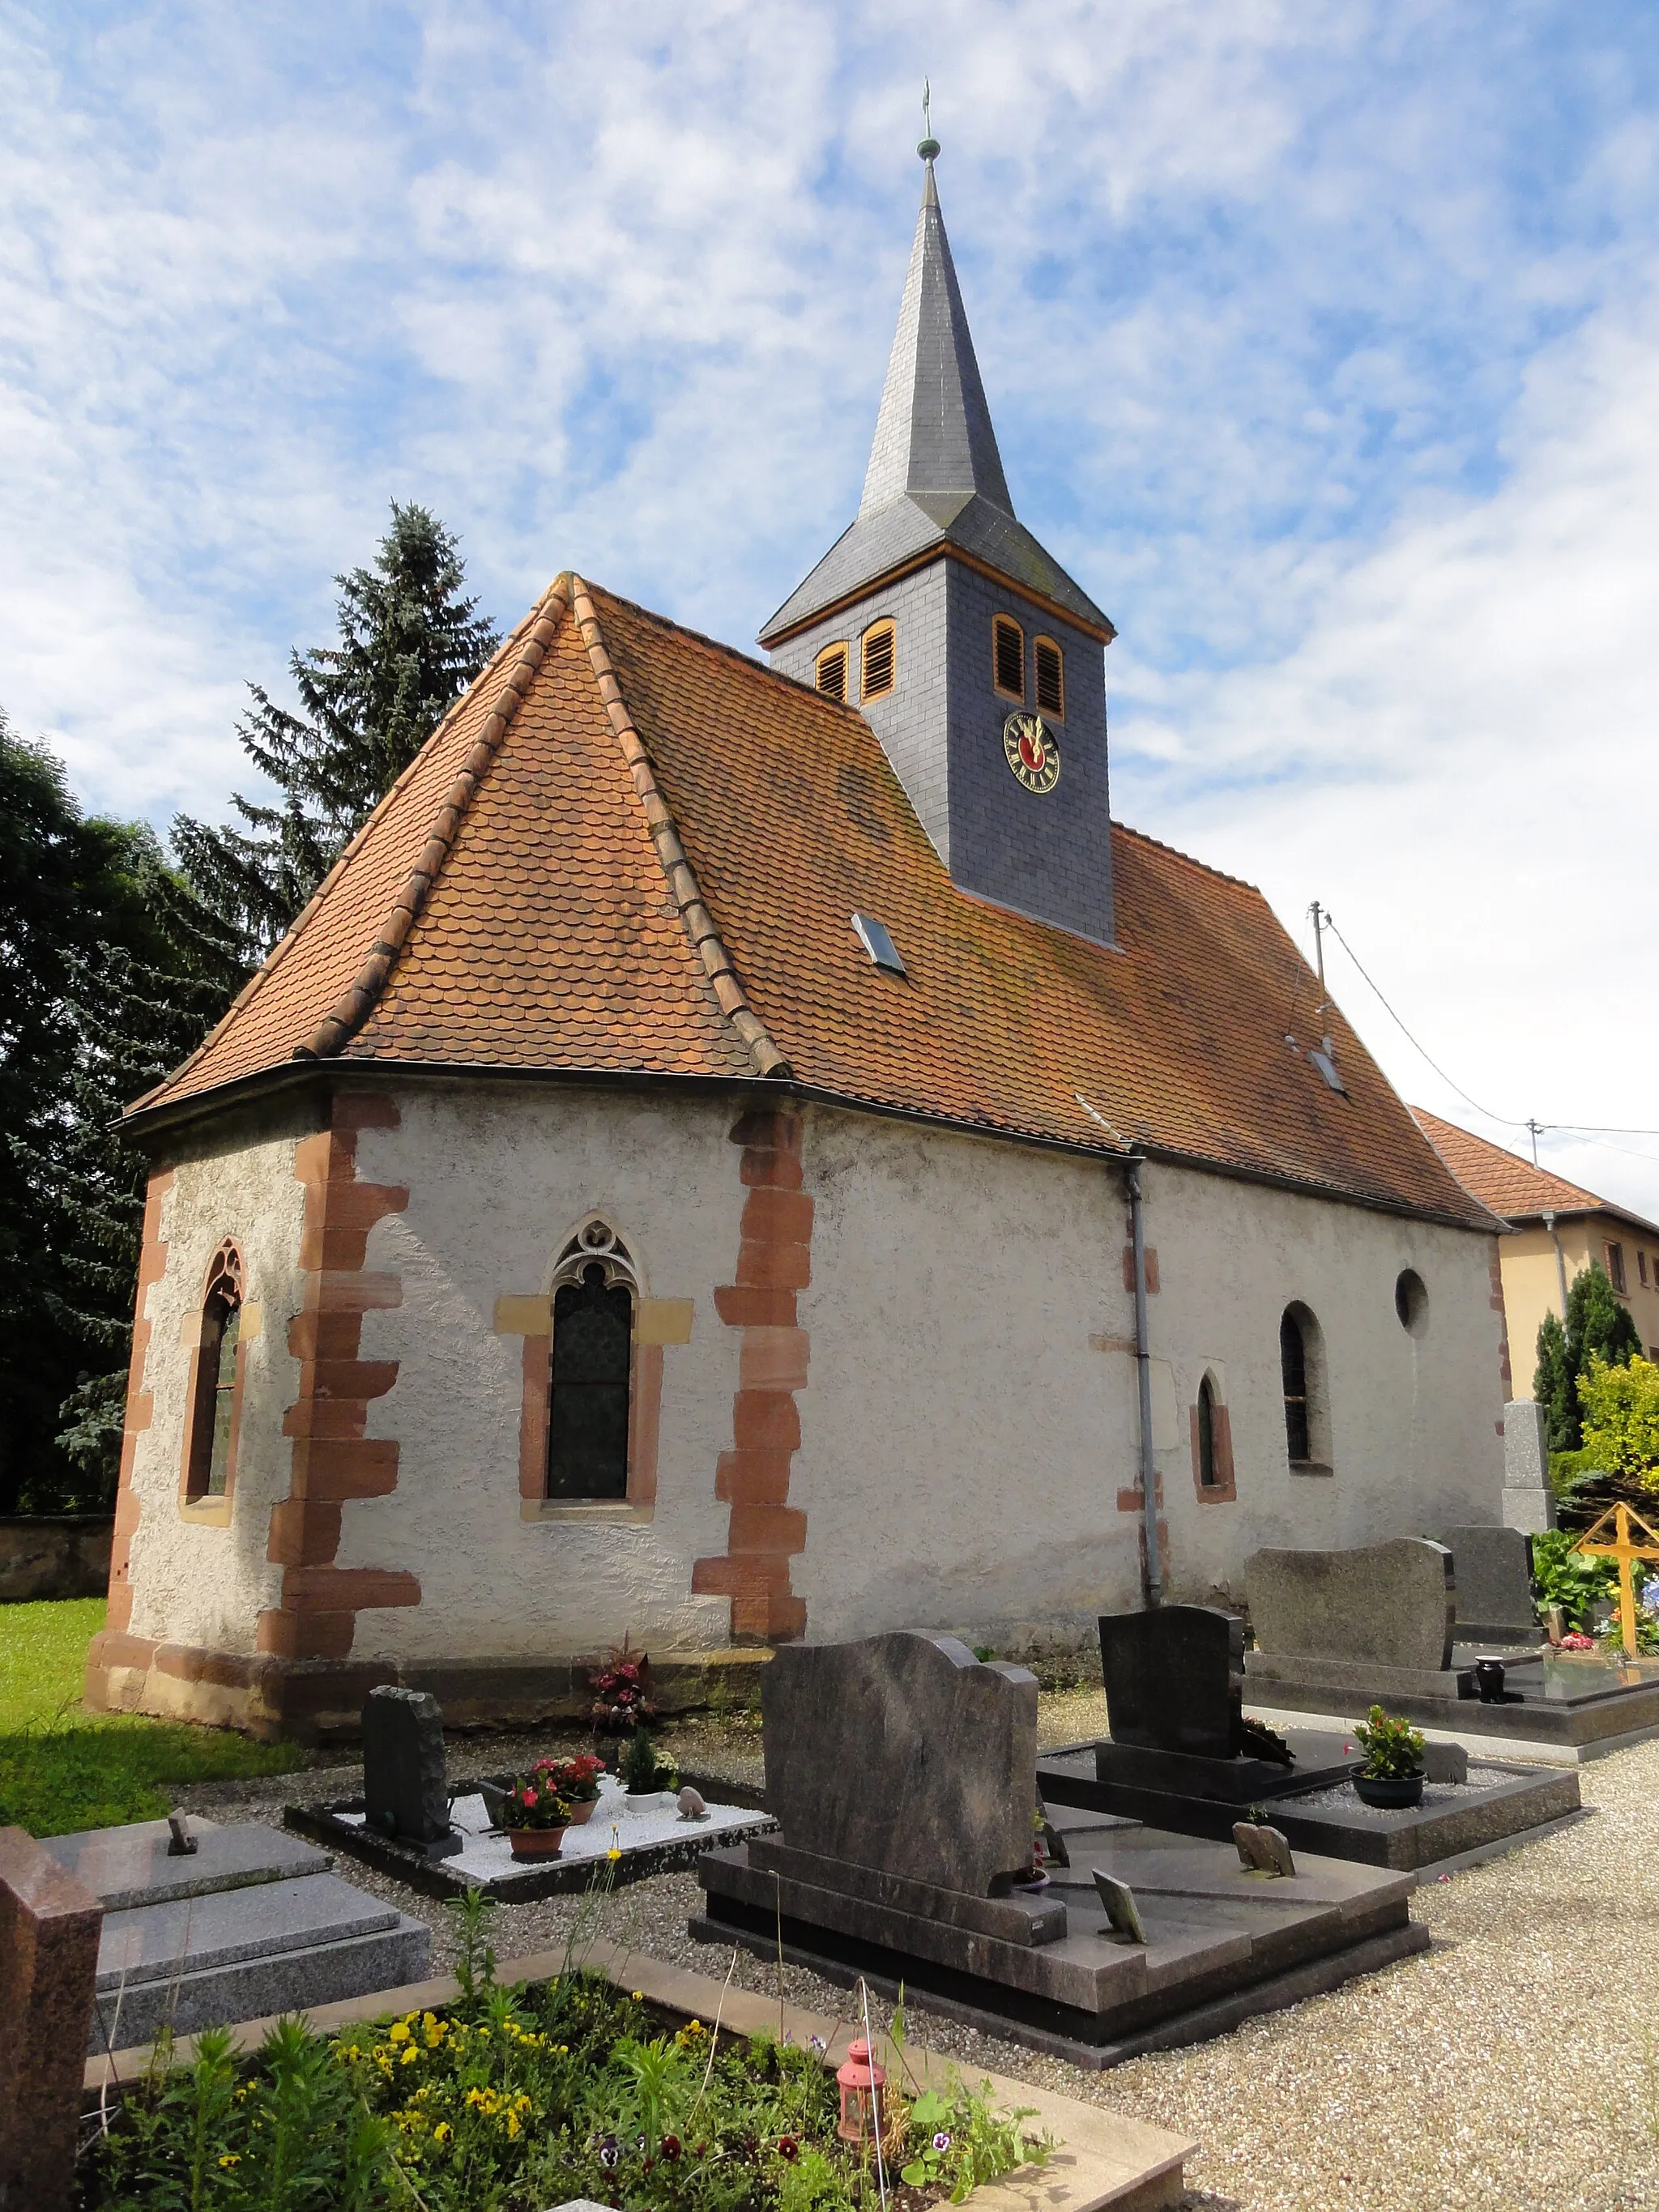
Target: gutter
(1132, 1168)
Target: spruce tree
(410, 645)
(1598, 1326)
(108, 973)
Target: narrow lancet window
(210, 1454)
(1293, 1366)
(592, 1352)
(1207, 1474)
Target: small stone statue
(692, 1805)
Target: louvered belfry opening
(1050, 678)
(831, 672)
(1011, 656)
(879, 660)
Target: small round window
(1411, 1302)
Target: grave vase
(536, 1842)
(1392, 1793)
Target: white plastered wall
(498, 1179)
(199, 1584)
(964, 1444)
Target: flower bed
(513, 2099)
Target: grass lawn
(62, 1767)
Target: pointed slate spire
(933, 435)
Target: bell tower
(977, 662)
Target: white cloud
(1319, 334)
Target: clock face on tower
(1031, 751)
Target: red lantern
(861, 2078)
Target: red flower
(527, 1795)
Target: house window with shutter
(1050, 678)
(830, 671)
(1616, 1266)
(1008, 657)
(879, 667)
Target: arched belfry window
(1301, 1369)
(591, 1381)
(829, 670)
(878, 663)
(1050, 678)
(211, 1450)
(1008, 657)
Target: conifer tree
(1598, 1326)
(410, 645)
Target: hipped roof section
(631, 850)
(1513, 1187)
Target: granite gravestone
(1493, 1568)
(1384, 1605)
(49, 1930)
(1173, 1680)
(405, 1785)
(1529, 1501)
(904, 1753)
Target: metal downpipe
(1144, 1376)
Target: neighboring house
(1559, 1227)
(679, 1176)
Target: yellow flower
(613, 1853)
(400, 2031)
(231, 2158)
(512, 2124)
(440, 2133)
(410, 2055)
(639, 1996)
(435, 2031)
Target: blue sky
(1321, 340)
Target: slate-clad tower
(977, 660)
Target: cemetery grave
(903, 1773)
(1181, 1755)
(411, 1823)
(1339, 1631)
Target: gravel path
(1514, 2067)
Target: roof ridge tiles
(1187, 860)
(357, 1002)
(684, 887)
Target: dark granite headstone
(1493, 1566)
(405, 1786)
(1382, 1605)
(1172, 1679)
(49, 1929)
(904, 1753)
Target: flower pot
(536, 1842)
(1392, 1794)
(583, 1811)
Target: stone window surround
(1223, 1491)
(195, 1505)
(658, 1322)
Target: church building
(737, 1151)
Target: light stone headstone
(1384, 1605)
(904, 1753)
(405, 1786)
(1529, 1501)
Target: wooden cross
(1621, 1548)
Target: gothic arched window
(590, 1379)
(1302, 1368)
(1207, 1474)
(210, 1447)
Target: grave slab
(276, 1947)
(648, 1831)
(131, 1866)
(1565, 1706)
(911, 1895)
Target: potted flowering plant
(645, 1774)
(575, 1780)
(535, 1817)
(1392, 1776)
(622, 1693)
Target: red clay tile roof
(656, 870)
(1512, 1188)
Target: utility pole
(1320, 917)
(1536, 1130)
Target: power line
(1590, 1129)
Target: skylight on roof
(873, 937)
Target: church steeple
(975, 659)
(934, 435)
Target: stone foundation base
(320, 1701)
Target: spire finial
(928, 148)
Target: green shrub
(1620, 1412)
(1392, 1748)
(1570, 1579)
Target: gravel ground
(1514, 2067)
